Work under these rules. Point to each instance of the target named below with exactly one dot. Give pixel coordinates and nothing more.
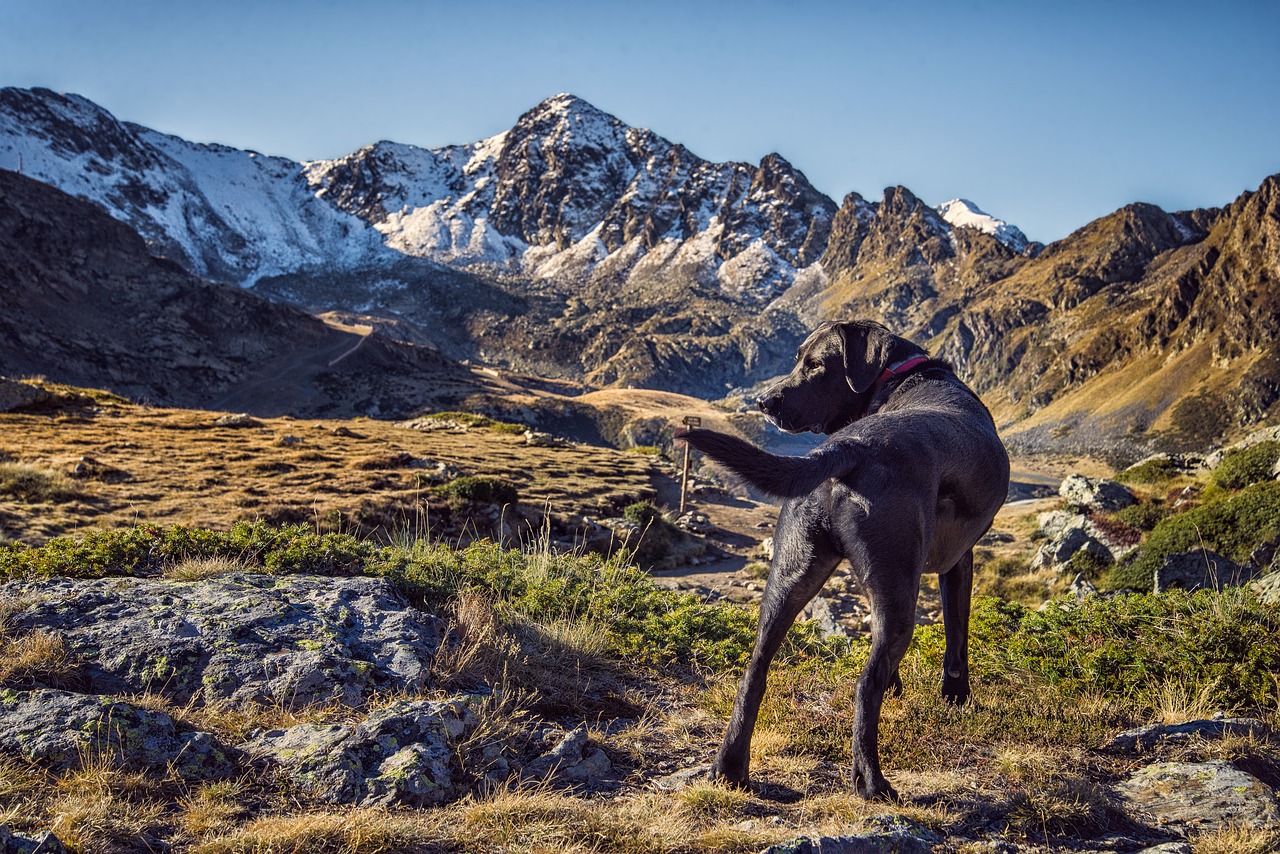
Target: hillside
(86, 304)
(208, 688)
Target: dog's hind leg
(892, 623)
(796, 576)
(956, 587)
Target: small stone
(1268, 588)
(541, 440)
(1147, 737)
(819, 611)
(242, 419)
(1095, 493)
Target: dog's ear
(867, 350)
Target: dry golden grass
(99, 804)
(37, 658)
(1174, 702)
(212, 808)
(174, 466)
(1234, 839)
(35, 484)
(350, 831)
(200, 568)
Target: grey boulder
(244, 637)
(1198, 796)
(399, 755)
(1094, 493)
(1199, 568)
(65, 730)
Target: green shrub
(1087, 563)
(1246, 466)
(471, 419)
(642, 513)
(486, 490)
(1230, 525)
(1144, 515)
(468, 418)
(1226, 644)
(1157, 470)
(148, 549)
(645, 450)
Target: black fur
(910, 477)
(774, 474)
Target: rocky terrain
(577, 247)
(224, 633)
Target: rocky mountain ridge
(575, 246)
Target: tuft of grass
(1011, 578)
(37, 484)
(99, 806)
(1049, 799)
(39, 658)
(214, 807)
(202, 568)
(1174, 701)
(703, 801)
(1236, 839)
(349, 831)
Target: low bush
(1157, 470)
(642, 513)
(642, 622)
(1226, 644)
(485, 490)
(1144, 515)
(1232, 525)
(1246, 466)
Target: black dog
(910, 478)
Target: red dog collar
(899, 369)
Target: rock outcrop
(399, 755)
(272, 640)
(1196, 796)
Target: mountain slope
(86, 304)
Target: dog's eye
(812, 366)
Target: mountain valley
(596, 255)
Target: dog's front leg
(957, 589)
(797, 574)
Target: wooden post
(689, 421)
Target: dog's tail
(780, 476)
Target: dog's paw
(723, 773)
(955, 689)
(875, 789)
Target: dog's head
(835, 373)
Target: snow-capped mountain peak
(963, 213)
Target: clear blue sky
(1045, 114)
